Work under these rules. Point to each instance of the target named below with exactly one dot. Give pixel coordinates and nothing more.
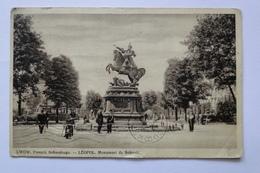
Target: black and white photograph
(126, 83)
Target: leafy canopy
(149, 99)
(183, 83)
(62, 81)
(93, 100)
(29, 59)
(212, 45)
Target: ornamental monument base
(126, 103)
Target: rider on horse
(125, 65)
(127, 54)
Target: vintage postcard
(126, 83)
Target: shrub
(19, 118)
(226, 111)
(31, 118)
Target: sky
(88, 39)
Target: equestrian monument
(124, 97)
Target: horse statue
(134, 74)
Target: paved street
(204, 136)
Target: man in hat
(110, 121)
(41, 120)
(99, 119)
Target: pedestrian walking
(99, 119)
(191, 121)
(110, 121)
(41, 120)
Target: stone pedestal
(125, 101)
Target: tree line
(211, 56)
(31, 64)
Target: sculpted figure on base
(125, 65)
(128, 55)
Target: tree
(149, 98)
(93, 101)
(29, 59)
(226, 110)
(153, 102)
(183, 84)
(62, 82)
(212, 45)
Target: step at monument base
(125, 128)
